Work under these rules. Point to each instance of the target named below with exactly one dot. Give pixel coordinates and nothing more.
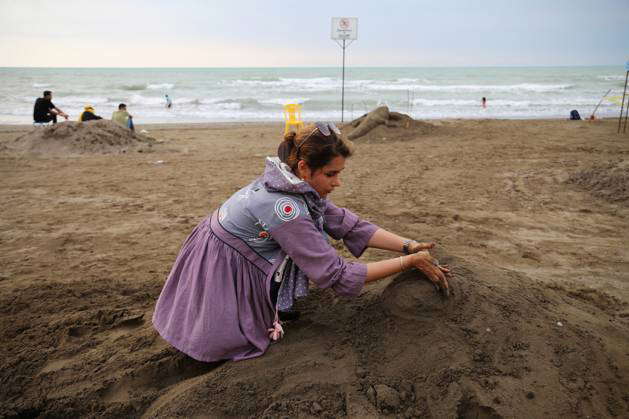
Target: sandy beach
(533, 216)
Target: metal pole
(343, 84)
(599, 104)
(622, 105)
(624, 126)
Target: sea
(258, 94)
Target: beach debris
(560, 324)
(387, 398)
(159, 162)
(384, 125)
(143, 131)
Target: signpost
(344, 29)
(622, 105)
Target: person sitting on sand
(45, 111)
(122, 117)
(88, 114)
(241, 269)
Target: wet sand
(539, 326)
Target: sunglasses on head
(325, 128)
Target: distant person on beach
(122, 117)
(89, 114)
(45, 111)
(484, 102)
(241, 269)
(169, 103)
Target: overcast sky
(246, 33)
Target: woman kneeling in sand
(248, 262)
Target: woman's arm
(385, 240)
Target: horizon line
(319, 66)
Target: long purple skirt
(215, 304)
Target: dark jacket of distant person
(45, 111)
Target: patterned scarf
(278, 177)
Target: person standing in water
(483, 102)
(169, 103)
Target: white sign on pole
(627, 66)
(345, 28)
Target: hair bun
(290, 136)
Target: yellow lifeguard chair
(292, 116)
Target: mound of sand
(102, 136)
(609, 182)
(497, 348)
(383, 125)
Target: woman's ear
(303, 170)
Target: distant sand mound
(101, 137)
(383, 125)
(609, 182)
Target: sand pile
(102, 136)
(609, 181)
(497, 348)
(381, 125)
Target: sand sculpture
(382, 125)
(100, 137)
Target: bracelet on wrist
(406, 245)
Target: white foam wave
(42, 85)
(283, 101)
(613, 77)
(183, 101)
(144, 100)
(527, 87)
(160, 86)
(80, 100)
(502, 103)
(133, 87)
(231, 105)
(293, 84)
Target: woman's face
(325, 179)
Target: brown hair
(317, 150)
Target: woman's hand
(415, 247)
(430, 266)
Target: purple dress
(216, 302)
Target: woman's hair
(312, 146)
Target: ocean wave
(613, 77)
(133, 87)
(183, 101)
(293, 84)
(147, 100)
(527, 87)
(80, 100)
(232, 105)
(409, 80)
(283, 101)
(502, 103)
(160, 86)
(42, 85)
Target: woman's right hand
(430, 266)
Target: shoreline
(5, 128)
